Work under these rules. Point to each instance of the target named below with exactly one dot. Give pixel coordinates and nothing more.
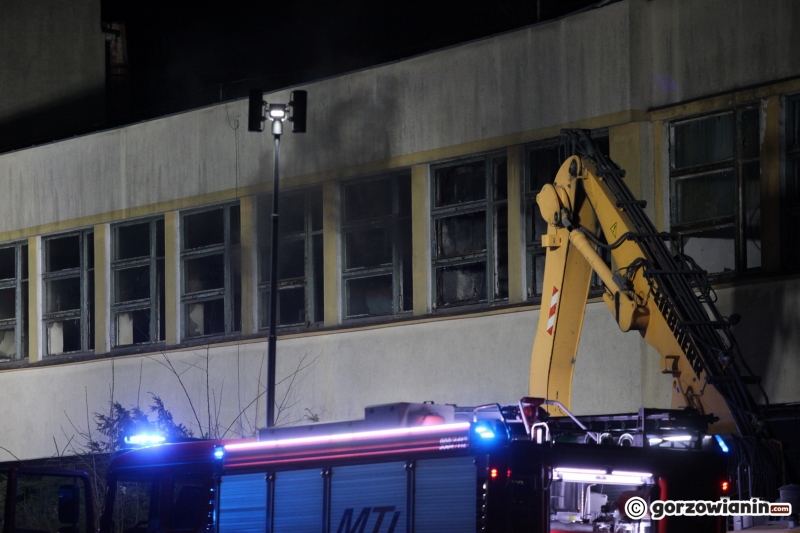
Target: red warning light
(724, 486)
(493, 473)
(508, 474)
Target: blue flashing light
(144, 440)
(721, 443)
(219, 452)
(484, 431)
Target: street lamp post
(259, 112)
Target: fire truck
(402, 468)
(530, 466)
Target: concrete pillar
(102, 288)
(631, 147)
(516, 227)
(247, 206)
(331, 263)
(172, 277)
(421, 238)
(36, 349)
(661, 175)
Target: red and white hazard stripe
(551, 321)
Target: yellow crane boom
(653, 290)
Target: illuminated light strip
(586, 475)
(280, 460)
(344, 437)
(551, 321)
(678, 438)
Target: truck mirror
(68, 504)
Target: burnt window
(542, 161)
(13, 302)
(137, 281)
(300, 287)
(791, 185)
(68, 296)
(376, 241)
(469, 211)
(211, 294)
(715, 195)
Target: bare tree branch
(172, 369)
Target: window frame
(393, 221)
(86, 313)
(227, 292)
(534, 248)
(790, 207)
(308, 281)
(734, 163)
(489, 255)
(157, 290)
(20, 320)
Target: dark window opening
(715, 197)
(470, 231)
(300, 283)
(138, 298)
(13, 302)
(211, 262)
(790, 253)
(371, 296)
(376, 240)
(68, 300)
(457, 284)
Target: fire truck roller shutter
(298, 501)
(445, 495)
(242, 503)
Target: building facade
(135, 261)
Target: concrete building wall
(601, 69)
(52, 68)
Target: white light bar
(588, 475)
(678, 438)
(144, 440)
(349, 437)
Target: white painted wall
(468, 361)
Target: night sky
(183, 55)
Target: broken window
(300, 289)
(791, 187)
(137, 278)
(470, 227)
(715, 189)
(13, 302)
(376, 240)
(68, 299)
(211, 295)
(542, 161)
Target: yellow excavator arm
(653, 290)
